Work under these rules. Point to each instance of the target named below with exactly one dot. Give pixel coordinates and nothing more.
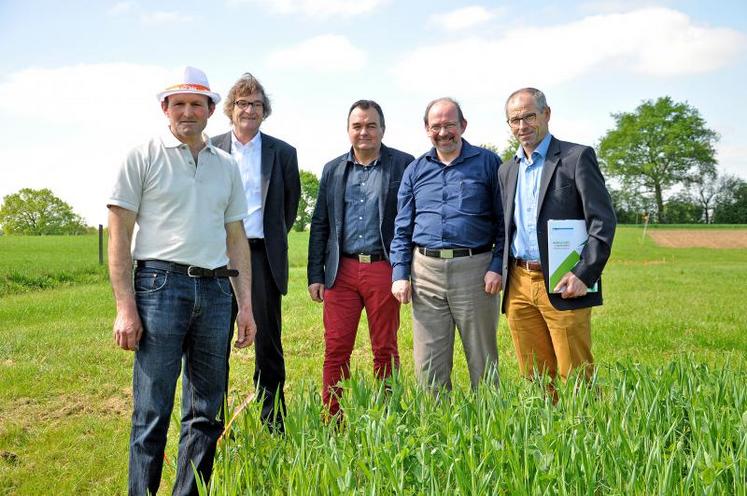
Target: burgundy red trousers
(357, 286)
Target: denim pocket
(150, 280)
(224, 284)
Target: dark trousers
(269, 364)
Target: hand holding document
(565, 242)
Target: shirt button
(360, 235)
(361, 201)
(363, 184)
(360, 218)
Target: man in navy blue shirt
(447, 249)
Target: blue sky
(78, 78)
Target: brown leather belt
(527, 264)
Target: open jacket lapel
(385, 178)
(268, 153)
(338, 191)
(548, 169)
(511, 180)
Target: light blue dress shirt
(525, 245)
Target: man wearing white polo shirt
(186, 197)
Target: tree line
(660, 164)
(659, 160)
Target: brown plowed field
(700, 238)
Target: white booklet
(565, 242)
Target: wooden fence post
(101, 244)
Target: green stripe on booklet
(565, 242)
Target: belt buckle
(192, 273)
(364, 258)
(447, 253)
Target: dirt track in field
(700, 238)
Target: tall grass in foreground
(680, 429)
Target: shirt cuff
(496, 265)
(400, 272)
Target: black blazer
(571, 187)
(281, 191)
(327, 222)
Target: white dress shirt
(249, 158)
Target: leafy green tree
(508, 152)
(38, 212)
(309, 191)
(631, 206)
(510, 149)
(708, 190)
(732, 205)
(683, 209)
(660, 145)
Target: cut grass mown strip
(33, 263)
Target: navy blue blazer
(327, 222)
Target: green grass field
(667, 415)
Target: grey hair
(540, 101)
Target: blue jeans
(185, 325)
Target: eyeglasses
(436, 128)
(244, 104)
(528, 119)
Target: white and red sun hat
(190, 80)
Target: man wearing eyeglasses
(351, 231)
(446, 252)
(269, 172)
(550, 179)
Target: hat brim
(215, 97)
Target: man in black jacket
(269, 172)
(351, 230)
(549, 179)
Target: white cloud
(324, 53)
(618, 6)
(463, 18)
(121, 8)
(163, 17)
(86, 118)
(732, 159)
(317, 8)
(657, 42)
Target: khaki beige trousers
(546, 339)
(448, 293)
